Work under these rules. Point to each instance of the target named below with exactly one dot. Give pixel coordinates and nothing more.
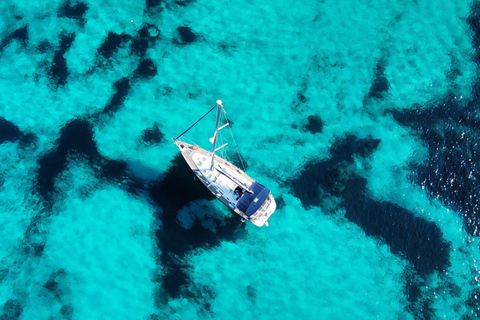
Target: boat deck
(221, 185)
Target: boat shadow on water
(175, 190)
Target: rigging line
(185, 139)
(196, 122)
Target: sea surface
(361, 117)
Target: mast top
(219, 102)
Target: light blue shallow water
(92, 216)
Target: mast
(219, 113)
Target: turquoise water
(361, 117)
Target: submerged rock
(315, 124)
(186, 34)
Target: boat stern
(264, 212)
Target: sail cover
(249, 203)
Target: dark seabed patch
(76, 138)
(20, 34)
(413, 289)
(122, 87)
(153, 3)
(10, 132)
(75, 11)
(58, 69)
(75, 142)
(112, 43)
(327, 177)
(34, 237)
(146, 70)
(113, 170)
(473, 305)
(418, 240)
(153, 7)
(314, 125)
(145, 38)
(56, 285)
(301, 96)
(380, 84)
(44, 46)
(66, 312)
(473, 21)
(421, 295)
(184, 3)
(280, 202)
(12, 310)
(330, 181)
(300, 99)
(451, 173)
(450, 128)
(3, 274)
(57, 289)
(174, 191)
(186, 35)
(251, 293)
(153, 135)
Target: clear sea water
(361, 117)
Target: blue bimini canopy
(249, 203)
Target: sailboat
(228, 183)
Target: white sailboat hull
(224, 180)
